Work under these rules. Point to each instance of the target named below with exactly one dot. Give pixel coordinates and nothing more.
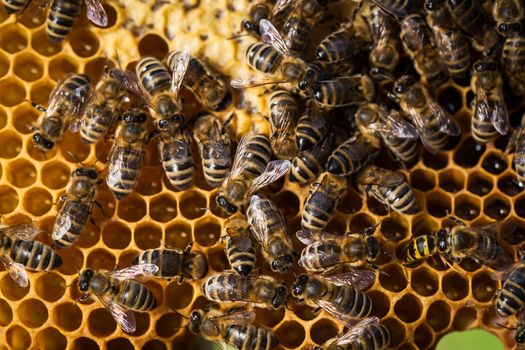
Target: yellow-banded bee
(311, 129)
(234, 329)
(260, 291)
(66, 103)
(119, 293)
(340, 295)
(434, 124)
(343, 91)
(127, 154)
(251, 171)
(490, 115)
(388, 187)
(509, 15)
(323, 196)
(175, 152)
(326, 251)
(513, 63)
(517, 143)
(351, 156)
(77, 208)
(307, 165)
(240, 249)
(283, 114)
(477, 242)
(510, 299)
(300, 22)
(214, 145)
(209, 88)
(174, 262)
(19, 251)
(269, 229)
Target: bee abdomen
(400, 198)
(241, 261)
(482, 131)
(179, 170)
(136, 296)
(250, 337)
(374, 337)
(258, 154)
(122, 180)
(348, 159)
(61, 18)
(305, 167)
(307, 135)
(420, 248)
(233, 288)
(511, 298)
(342, 91)
(14, 6)
(310, 256)
(153, 75)
(78, 214)
(406, 150)
(35, 255)
(354, 302)
(296, 32)
(215, 170)
(263, 57)
(315, 218)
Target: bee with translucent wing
(240, 248)
(517, 143)
(283, 114)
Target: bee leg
(81, 298)
(316, 311)
(455, 219)
(370, 230)
(37, 106)
(152, 135)
(94, 223)
(99, 206)
(188, 248)
(181, 279)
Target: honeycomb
(418, 305)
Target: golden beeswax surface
(473, 183)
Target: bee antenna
(181, 315)
(237, 36)
(506, 327)
(75, 157)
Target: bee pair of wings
(386, 179)
(260, 218)
(232, 289)
(395, 124)
(517, 143)
(353, 334)
(492, 109)
(94, 10)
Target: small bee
(240, 249)
(209, 88)
(325, 252)
(175, 152)
(509, 15)
(269, 229)
(214, 148)
(311, 129)
(351, 156)
(490, 115)
(307, 165)
(260, 291)
(387, 187)
(517, 142)
(174, 263)
(78, 206)
(476, 242)
(340, 295)
(323, 196)
(233, 329)
(299, 24)
(283, 114)
(66, 102)
(127, 154)
(119, 293)
(19, 251)
(434, 124)
(513, 61)
(251, 171)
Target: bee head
(298, 288)
(85, 172)
(442, 244)
(43, 143)
(279, 298)
(195, 322)
(519, 336)
(282, 264)
(175, 121)
(226, 205)
(166, 106)
(431, 5)
(250, 27)
(134, 116)
(85, 279)
(308, 79)
(373, 247)
(485, 65)
(403, 84)
(509, 28)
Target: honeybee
(209, 88)
(119, 293)
(343, 91)
(490, 115)
(77, 208)
(325, 252)
(300, 22)
(307, 165)
(513, 63)
(283, 113)
(214, 148)
(240, 249)
(517, 142)
(323, 196)
(508, 15)
(251, 171)
(275, 10)
(66, 102)
(127, 153)
(269, 229)
(476, 242)
(174, 262)
(311, 129)
(19, 251)
(233, 329)
(434, 124)
(340, 295)
(260, 291)
(510, 300)
(351, 156)
(388, 187)
(175, 152)
(397, 8)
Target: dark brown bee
(513, 63)
(510, 299)
(397, 8)
(310, 163)
(517, 143)
(490, 115)
(240, 249)
(19, 251)
(343, 91)
(298, 25)
(119, 293)
(351, 156)
(77, 208)
(260, 291)
(275, 10)
(175, 152)
(283, 114)
(509, 15)
(311, 129)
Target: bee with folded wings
(119, 293)
(517, 143)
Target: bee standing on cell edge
(509, 15)
(388, 187)
(235, 328)
(66, 102)
(517, 142)
(175, 152)
(119, 293)
(368, 334)
(513, 63)
(323, 196)
(19, 251)
(351, 156)
(73, 216)
(259, 291)
(311, 129)
(490, 115)
(283, 114)
(127, 154)
(174, 262)
(308, 164)
(240, 249)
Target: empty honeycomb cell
(61, 66)
(132, 209)
(467, 207)
(42, 45)
(154, 345)
(83, 343)
(143, 321)
(438, 204)
(337, 224)
(126, 257)
(116, 235)
(100, 323)
(497, 207)
(150, 181)
(376, 207)
(112, 15)
(397, 331)
(468, 153)
(89, 237)
(168, 324)
(361, 223)
(464, 318)
(192, 205)
(94, 69)
(11, 290)
(72, 150)
(451, 99)
(207, 232)
(39, 93)
(408, 308)
(491, 317)
(13, 38)
(21, 173)
(351, 203)
(24, 117)
(51, 339)
(18, 338)
(8, 199)
(153, 45)
(68, 316)
(423, 336)
(484, 286)
(217, 259)
(101, 259)
(163, 208)
(107, 201)
(28, 67)
(423, 225)
(13, 92)
(32, 312)
(393, 278)
(6, 314)
(479, 184)
(304, 312)
(394, 228)
(10, 144)
(425, 282)
(178, 296)
(290, 334)
(73, 259)
(509, 185)
(323, 330)
(435, 161)
(4, 64)
(519, 207)
(380, 302)
(455, 286)
(84, 43)
(148, 236)
(36, 19)
(469, 265)
(178, 235)
(438, 315)
(494, 163)
(288, 203)
(50, 286)
(119, 344)
(37, 201)
(451, 180)
(422, 180)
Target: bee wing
(95, 13)
(239, 156)
(308, 236)
(26, 231)
(178, 148)
(16, 270)
(274, 171)
(445, 121)
(492, 110)
(219, 152)
(335, 311)
(136, 271)
(359, 279)
(519, 153)
(124, 317)
(255, 80)
(495, 227)
(179, 70)
(282, 7)
(499, 259)
(422, 131)
(243, 243)
(399, 126)
(387, 6)
(356, 331)
(271, 36)
(259, 219)
(390, 179)
(62, 226)
(130, 81)
(242, 317)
